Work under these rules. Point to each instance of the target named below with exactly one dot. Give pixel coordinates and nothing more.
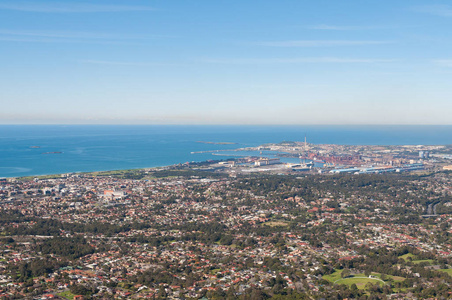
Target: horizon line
(204, 124)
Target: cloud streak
(68, 7)
(125, 63)
(443, 62)
(302, 60)
(438, 10)
(320, 43)
(64, 34)
(58, 40)
(340, 28)
(70, 37)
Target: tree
(369, 286)
(345, 273)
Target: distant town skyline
(222, 62)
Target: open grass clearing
(396, 278)
(448, 271)
(405, 256)
(66, 295)
(414, 259)
(334, 276)
(276, 223)
(215, 271)
(359, 281)
(428, 261)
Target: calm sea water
(95, 148)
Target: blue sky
(226, 62)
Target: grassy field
(117, 173)
(360, 282)
(448, 271)
(334, 276)
(405, 257)
(276, 223)
(396, 278)
(359, 279)
(415, 260)
(30, 178)
(67, 295)
(429, 261)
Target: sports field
(359, 279)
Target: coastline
(63, 175)
(94, 148)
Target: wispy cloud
(443, 62)
(125, 63)
(320, 43)
(339, 28)
(302, 60)
(69, 36)
(439, 10)
(65, 34)
(57, 40)
(68, 7)
(329, 27)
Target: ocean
(53, 149)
